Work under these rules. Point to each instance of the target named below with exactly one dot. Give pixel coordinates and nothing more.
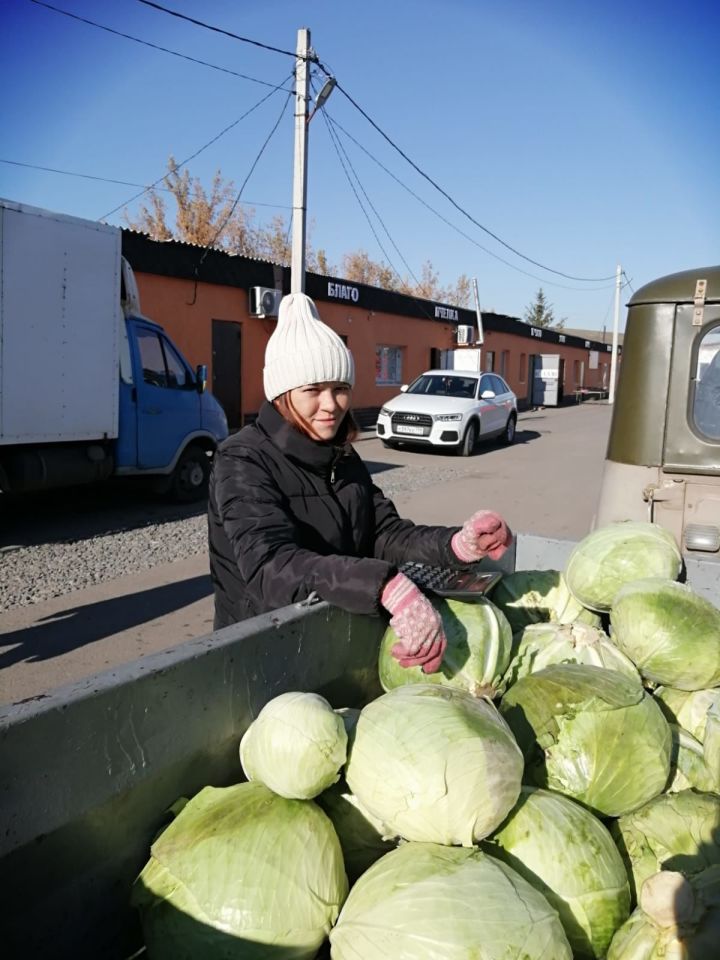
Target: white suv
(450, 408)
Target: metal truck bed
(87, 771)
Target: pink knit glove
(416, 622)
(485, 534)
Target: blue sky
(581, 134)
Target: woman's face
(322, 406)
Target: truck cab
(169, 424)
(663, 457)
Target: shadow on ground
(77, 627)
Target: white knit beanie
(304, 350)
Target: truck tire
(190, 477)
(469, 440)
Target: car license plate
(404, 428)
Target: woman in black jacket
(293, 510)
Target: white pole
(481, 335)
(616, 323)
(302, 96)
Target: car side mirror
(403, 388)
(201, 377)
(487, 395)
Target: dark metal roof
(171, 258)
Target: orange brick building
(202, 299)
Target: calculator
(455, 584)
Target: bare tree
(202, 217)
(214, 218)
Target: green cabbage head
(617, 554)
(676, 831)
(539, 596)
(543, 644)
(434, 764)
(591, 733)
(669, 632)
(241, 874)
(711, 744)
(360, 834)
(687, 765)
(479, 645)
(688, 708)
(425, 901)
(569, 856)
(678, 918)
(296, 746)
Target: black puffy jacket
(288, 516)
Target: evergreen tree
(540, 313)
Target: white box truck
(89, 388)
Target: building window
(388, 366)
(706, 402)
(504, 363)
(523, 367)
(489, 361)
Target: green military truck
(87, 771)
(663, 459)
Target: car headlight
(446, 417)
(384, 412)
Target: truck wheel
(190, 477)
(508, 434)
(467, 446)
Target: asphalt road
(546, 483)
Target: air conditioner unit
(264, 301)
(465, 334)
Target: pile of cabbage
(552, 792)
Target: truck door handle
(153, 411)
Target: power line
(226, 33)
(124, 183)
(447, 196)
(453, 226)
(147, 43)
(71, 173)
(338, 147)
(313, 58)
(627, 282)
(245, 181)
(200, 150)
(367, 217)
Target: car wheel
(190, 477)
(508, 434)
(467, 446)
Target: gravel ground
(56, 543)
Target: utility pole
(478, 312)
(616, 323)
(302, 97)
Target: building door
(226, 367)
(546, 380)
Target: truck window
(152, 359)
(706, 402)
(177, 373)
(162, 365)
